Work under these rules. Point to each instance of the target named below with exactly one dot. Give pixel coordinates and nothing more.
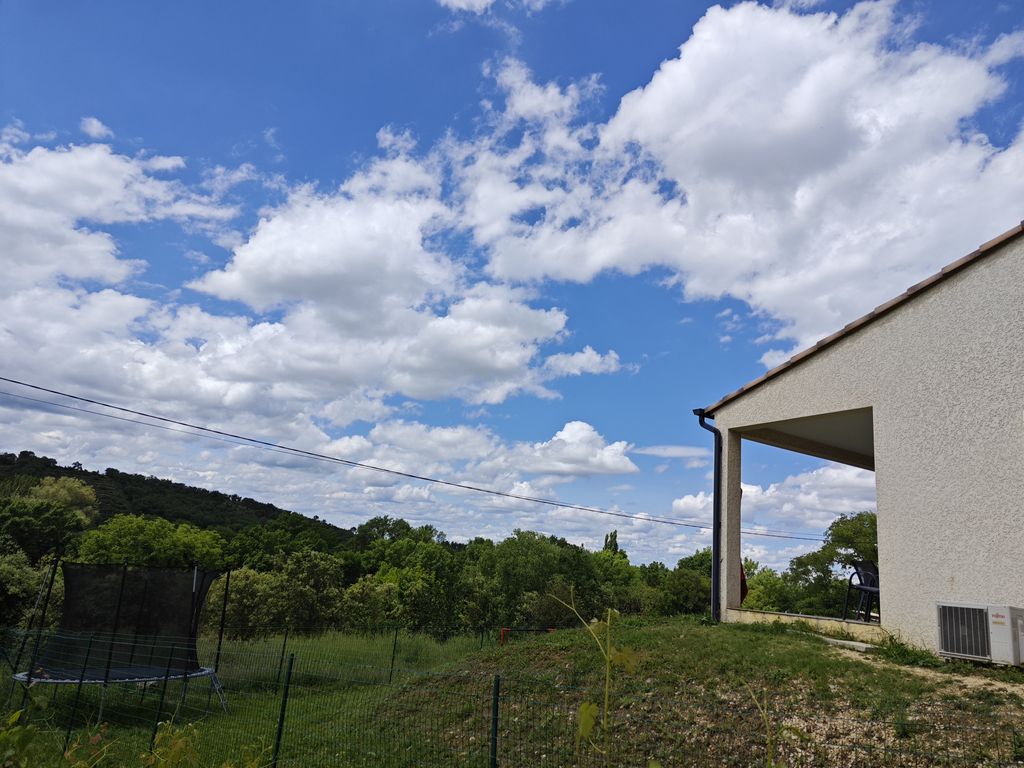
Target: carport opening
(829, 492)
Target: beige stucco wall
(944, 375)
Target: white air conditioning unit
(983, 632)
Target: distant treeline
(292, 571)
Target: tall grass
(339, 684)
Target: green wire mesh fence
(397, 700)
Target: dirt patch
(944, 679)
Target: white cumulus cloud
(473, 6)
(480, 6)
(806, 502)
(810, 164)
(673, 451)
(94, 129)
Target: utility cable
(242, 440)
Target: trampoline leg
(216, 685)
(160, 705)
(182, 695)
(78, 694)
(103, 698)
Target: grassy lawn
(692, 699)
(701, 695)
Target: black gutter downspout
(716, 520)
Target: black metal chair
(867, 586)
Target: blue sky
(506, 242)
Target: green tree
(151, 541)
(17, 485)
(541, 610)
(524, 562)
(311, 590)
(371, 605)
(817, 589)
(611, 542)
(612, 568)
(19, 582)
(621, 585)
(814, 582)
(38, 526)
(256, 605)
(685, 591)
(769, 591)
(852, 537)
(654, 574)
(380, 528)
(700, 561)
(68, 492)
(260, 547)
(475, 591)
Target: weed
(175, 747)
(773, 732)
(601, 632)
(252, 757)
(987, 697)
(1017, 745)
(898, 652)
(15, 742)
(903, 725)
(89, 749)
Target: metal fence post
(39, 636)
(280, 661)
(394, 651)
(223, 616)
(495, 698)
(78, 693)
(163, 695)
(284, 709)
(113, 641)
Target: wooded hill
(123, 493)
(297, 572)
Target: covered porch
(844, 437)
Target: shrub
(685, 591)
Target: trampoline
(123, 625)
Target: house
(927, 391)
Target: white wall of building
(944, 375)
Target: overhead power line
(198, 430)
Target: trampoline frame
(29, 678)
(208, 672)
(23, 677)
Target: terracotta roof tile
(1000, 239)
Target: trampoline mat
(95, 675)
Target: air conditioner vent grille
(964, 632)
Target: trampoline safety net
(122, 624)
